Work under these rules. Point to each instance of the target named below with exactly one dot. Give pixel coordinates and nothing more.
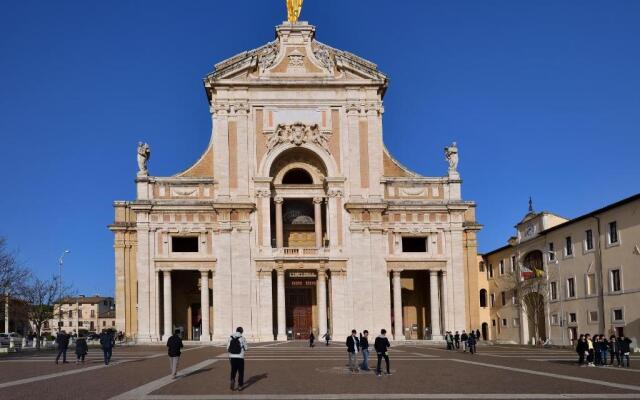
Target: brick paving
(292, 370)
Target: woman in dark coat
(81, 349)
(581, 349)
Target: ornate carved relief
(267, 55)
(263, 193)
(334, 192)
(323, 54)
(296, 62)
(298, 133)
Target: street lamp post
(61, 263)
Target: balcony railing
(296, 252)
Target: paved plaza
(293, 370)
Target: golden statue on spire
(294, 7)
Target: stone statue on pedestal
(144, 153)
(451, 154)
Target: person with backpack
(327, 337)
(353, 346)
(62, 339)
(81, 349)
(381, 345)
(107, 342)
(236, 347)
(471, 343)
(463, 338)
(174, 344)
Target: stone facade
(296, 218)
(81, 313)
(587, 268)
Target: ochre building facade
(296, 218)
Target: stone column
(434, 306)
(282, 317)
(317, 218)
(157, 287)
(279, 233)
(204, 305)
(168, 318)
(397, 306)
(322, 303)
(445, 303)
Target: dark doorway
(485, 331)
(299, 298)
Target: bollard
(12, 344)
(24, 342)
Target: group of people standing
(107, 342)
(597, 350)
(360, 344)
(465, 340)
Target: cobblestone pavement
(294, 371)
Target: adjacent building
(558, 277)
(296, 218)
(81, 313)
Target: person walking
(456, 340)
(236, 347)
(471, 343)
(364, 348)
(477, 334)
(327, 337)
(353, 346)
(581, 349)
(381, 345)
(312, 337)
(107, 342)
(449, 338)
(464, 337)
(604, 349)
(81, 349)
(174, 344)
(62, 339)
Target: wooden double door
(299, 311)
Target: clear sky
(543, 98)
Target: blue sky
(543, 98)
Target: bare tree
(41, 296)
(12, 275)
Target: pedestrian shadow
(200, 371)
(255, 379)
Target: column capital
(433, 272)
(318, 200)
(278, 200)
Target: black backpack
(234, 346)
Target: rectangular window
(504, 298)
(513, 263)
(516, 322)
(501, 267)
(571, 287)
(588, 240)
(504, 322)
(591, 284)
(554, 319)
(70, 313)
(573, 317)
(411, 244)
(79, 324)
(93, 312)
(493, 299)
(552, 254)
(593, 316)
(481, 266)
(568, 247)
(613, 232)
(490, 270)
(104, 323)
(616, 280)
(184, 244)
(554, 290)
(618, 315)
(493, 322)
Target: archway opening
(297, 176)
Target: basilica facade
(296, 219)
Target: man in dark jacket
(624, 344)
(81, 349)
(174, 344)
(478, 334)
(63, 344)
(364, 348)
(456, 340)
(107, 342)
(581, 349)
(464, 337)
(381, 345)
(353, 347)
(471, 343)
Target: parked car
(93, 336)
(6, 337)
